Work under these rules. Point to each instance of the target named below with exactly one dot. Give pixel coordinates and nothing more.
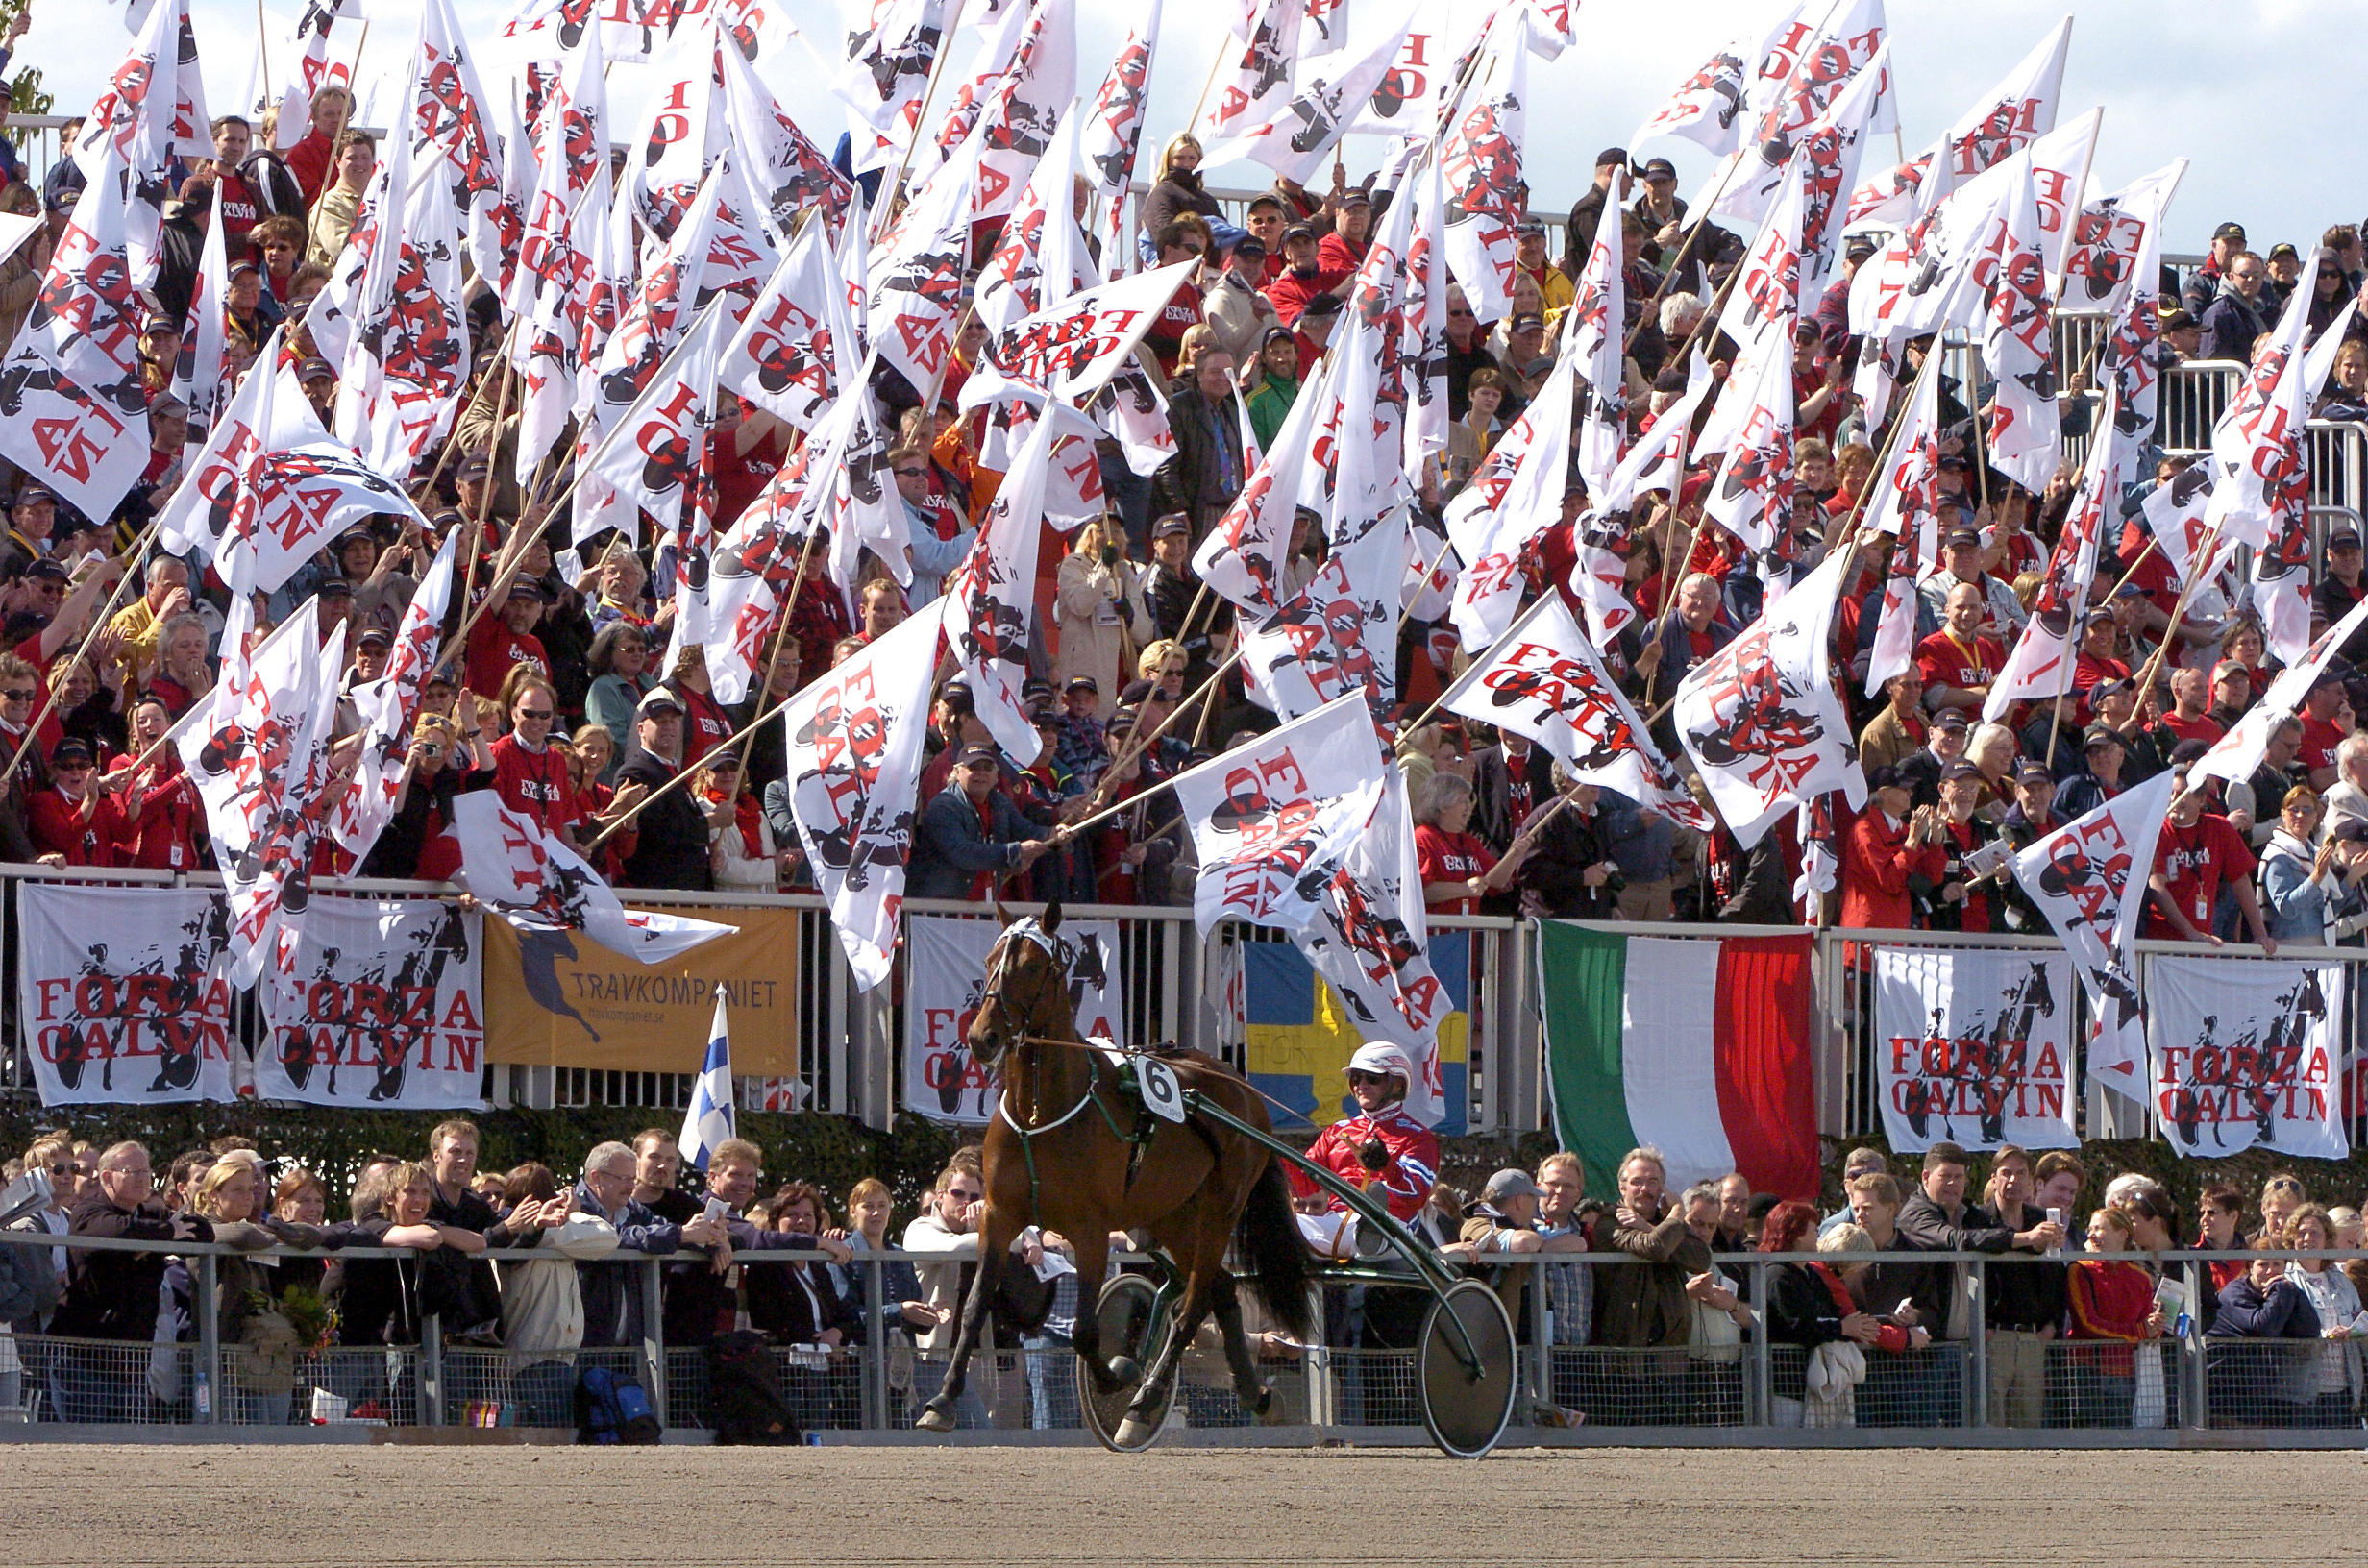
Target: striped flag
(707, 1122)
(1698, 1048)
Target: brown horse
(1061, 1153)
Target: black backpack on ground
(745, 1405)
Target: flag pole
(1207, 688)
(682, 776)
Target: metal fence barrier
(2185, 1387)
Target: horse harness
(1146, 1124)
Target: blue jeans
(969, 1411)
(1051, 1384)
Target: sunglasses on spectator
(534, 713)
(17, 693)
(912, 473)
(965, 1195)
(2285, 1183)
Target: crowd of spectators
(2076, 1307)
(566, 701)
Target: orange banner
(558, 999)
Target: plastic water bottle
(205, 1395)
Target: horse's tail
(1280, 1265)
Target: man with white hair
(2346, 800)
(1380, 1149)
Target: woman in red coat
(2113, 1303)
(1885, 845)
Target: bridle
(1052, 983)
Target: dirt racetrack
(299, 1506)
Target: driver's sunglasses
(1362, 1077)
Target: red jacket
(1876, 864)
(59, 829)
(1404, 1184)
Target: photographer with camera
(1569, 874)
(439, 765)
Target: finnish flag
(707, 1122)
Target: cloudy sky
(2262, 96)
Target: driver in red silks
(1381, 1149)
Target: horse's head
(1026, 990)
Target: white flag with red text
(258, 754)
(1546, 682)
(537, 882)
(1760, 717)
(988, 598)
(1075, 346)
(1707, 107)
(854, 777)
(1999, 124)
(1274, 820)
(1481, 163)
(1113, 134)
(388, 706)
(2089, 878)
(1371, 943)
(271, 487)
(2041, 662)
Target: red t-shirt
(705, 725)
(239, 215)
(2320, 738)
(2204, 728)
(494, 648)
(2195, 861)
(534, 783)
(741, 476)
(1451, 857)
(1944, 661)
(1180, 314)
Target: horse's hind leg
(995, 1238)
(1257, 1399)
(1204, 1265)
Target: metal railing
(2193, 1384)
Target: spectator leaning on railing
(115, 1295)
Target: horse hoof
(933, 1419)
(1134, 1434)
(1125, 1370)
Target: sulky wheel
(1134, 1320)
(1466, 1397)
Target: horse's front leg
(996, 1234)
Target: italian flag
(1696, 1046)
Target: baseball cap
(1356, 196)
(1951, 719)
(315, 370)
(974, 753)
(2189, 750)
(1508, 1183)
(335, 588)
(2230, 231)
(1121, 723)
(2229, 667)
(1273, 332)
(1035, 686)
(2102, 735)
(657, 699)
(1135, 691)
(46, 571)
(530, 588)
(1173, 523)
(374, 637)
(1955, 462)
(472, 468)
(33, 492)
(1250, 245)
(1660, 169)
(2032, 773)
(73, 748)
(1082, 683)
(1299, 231)
(2177, 320)
(2352, 830)
(1885, 777)
(1960, 537)
(2344, 539)
(2111, 686)
(2095, 616)
(1859, 249)
(1323, 305)
(1960, 768)
(2283, 247)
(1528, 323)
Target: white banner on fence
(384, 1009)
(122, 997)
(2247, 1052)
(1974, 1047)
(944, 984)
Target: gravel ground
(297, 1506)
